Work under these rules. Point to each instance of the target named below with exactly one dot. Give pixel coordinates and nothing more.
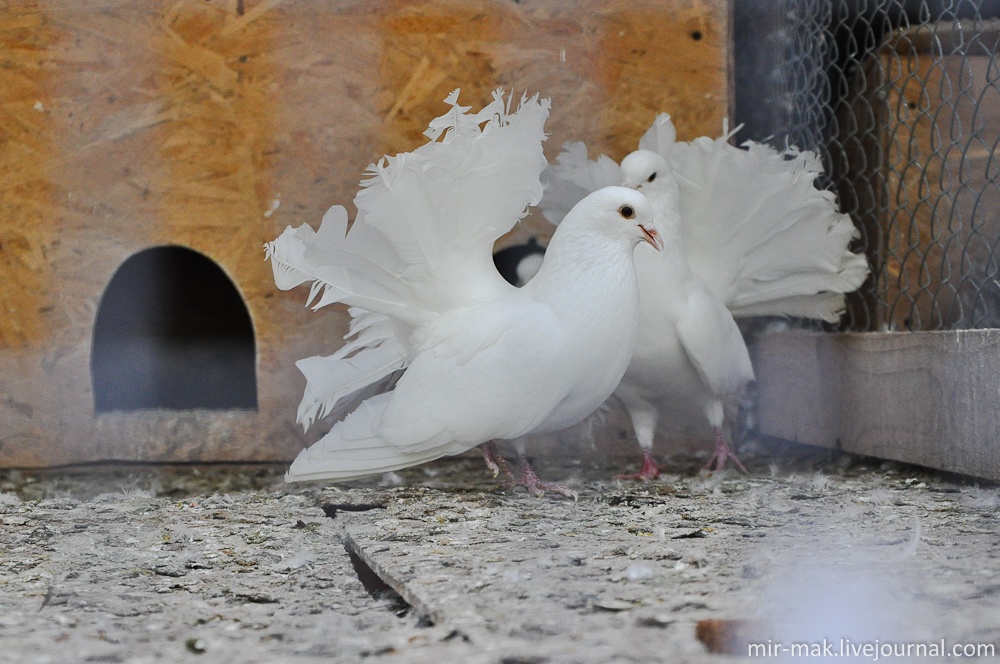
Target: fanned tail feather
(825, 306)
(352, 449)
(443, 205)
(757, 231)
(766, 240)
(353, 268)
(427, 219)
(662, 136)
(572, 177)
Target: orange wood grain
(26, 191)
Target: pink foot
(496, 462)
(535, 486)
(650, 471)
(722, 454)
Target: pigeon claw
(491, 464)
(495, 461)
(650, 470)
(722, 454)
(537, 488)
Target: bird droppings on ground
(137, 564)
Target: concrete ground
(228, 564)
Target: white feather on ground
(758, 239)
(481, 360)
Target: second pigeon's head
(616, 213)
(649, 172)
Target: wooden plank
(928, 398)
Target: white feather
(760, 233)
(330, 379)
(422, 261)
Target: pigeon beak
(652, 237)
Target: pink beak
(652, 237)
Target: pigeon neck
(667, 219)
(580, 264)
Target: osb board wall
(942, 115)
(26, 138)
(214, 124)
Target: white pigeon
(481, 360)
(748, 234)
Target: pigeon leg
(722, 454)
(644, 421)
(496, 462)
(535, 486)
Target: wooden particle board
(927, 398)
(25, 195)
(215, 124)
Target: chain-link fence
(902, 99)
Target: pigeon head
(617, 212)
(647, 171)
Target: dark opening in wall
(172, 332)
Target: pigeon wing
(714, 345)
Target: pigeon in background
(690, 364)
(518, 263)
(758, 239)
(469, 358)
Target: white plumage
(483, 360)
(751, 236)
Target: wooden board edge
(926, 398)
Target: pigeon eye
(651, 177)
(626, 211)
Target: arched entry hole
(172, 332)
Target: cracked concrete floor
(228, 564)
